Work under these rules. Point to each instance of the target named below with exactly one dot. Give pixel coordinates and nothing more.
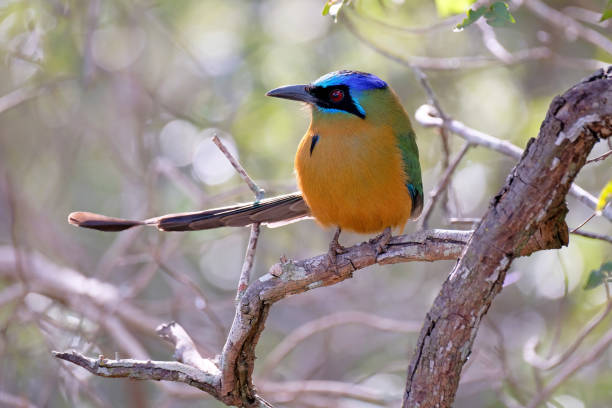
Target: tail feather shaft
(272, 210)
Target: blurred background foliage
(109, 106)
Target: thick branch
(526, 215)
(292, 277)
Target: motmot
(357, 167)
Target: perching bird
(357, 166)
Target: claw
(335, 249)
(382, 241)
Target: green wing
(410, 156)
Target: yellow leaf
(449, 7)
(604, 197)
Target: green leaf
(472, 17)
(326, 8)
(599, 276)
(607, 13)
(449, 7)
(332, 8)
(596, 278)
(499, 15)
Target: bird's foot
(382, 241)
(335, 249)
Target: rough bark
(528, 214)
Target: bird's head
(336, 93)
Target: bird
(357, 167)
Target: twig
(529, 350)
(447, 24)
(15, 401)
(434, 195)
(11, 293)
(568, 24)
(300, 334)
(332, 388)
(493, 45)
(247, 265)
(583, 223)
(585, 15)
(430, 93)
(571, 368)
(180, 180)
(259, 192)
(502, 354)
(18, 96)
(464, 220)
(249, 257)
(594, 235)
(427, 116)
(185, 350)
(451, 63)
(145, 370)
(600, 158)
(89, 67)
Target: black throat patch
(313, 142)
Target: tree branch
(229, 377)
(526, 215)
(427, 116)
(145, 370)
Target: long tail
(268, 211)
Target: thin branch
(18, 96)
(145, 370)
(450, 63)
(492, 43)
(427, 116)
(430, 93)
(594, 235)
(185, 350)
(292, 389)
(259, 192)
(569, 25)
(11, 293)
(249, 257)
(435, 194)
(180, 180)
(447, 24)
(571, 368)
(583, 223)
(9, 400)
(293, 339)
(600, 158)
(464, 220)
(585, 15)
(532, 357)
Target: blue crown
(355, 80)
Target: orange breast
(353, 178)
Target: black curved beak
(293, 92)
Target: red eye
(336, 95)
